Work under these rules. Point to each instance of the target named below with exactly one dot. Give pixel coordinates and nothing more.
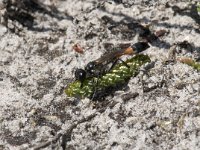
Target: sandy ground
(158, 109)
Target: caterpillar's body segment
(118, 75)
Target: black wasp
(99, 66)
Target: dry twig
(65, 132)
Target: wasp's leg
(115, 62)
(81, 84)
(125, 64)
(95, 88)
(96, 83)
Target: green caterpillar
(118, 75)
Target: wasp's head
(80, 74)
